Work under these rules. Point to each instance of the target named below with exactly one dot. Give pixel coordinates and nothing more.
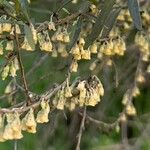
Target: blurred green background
(60, 133)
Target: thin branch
(81, 129)
(22, 69)
(116, 74)
(9, 94)
(107, 127)
(66, 3)
(15, 145)
(44, 25)
(23, 108)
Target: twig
(145, 135)
(102, 125)
(23, 108)
(22, 69)
(116, 74)
(15, 145)
(124, 134)
(59, 9)
(44, 25)
(81, 129)
(9, 94)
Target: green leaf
(25, 8)
(135, 13)
(1, 2)
(110, 22)
(100, 22)
(8, 7)
(84, 6)
(17, 6)
(76, 29)
(29, 36)
(131, 37)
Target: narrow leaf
(24, 9)
(135, 13)
(29, 36)
(84, 6)
(17, 6)
(100, 22)
(75, 32)
(110, 22)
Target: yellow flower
(17, 28)
(6, 27)
(83, 92)
(13, 127)
(5, 72)
(74, 66)
(54, 52)
(135, 91)
(34, 33)
(1, 28)
(26, 46)
(12, 70)
(1, 49)
(28, 122)
(45, 42)
(42, 116)
(68, 92)
(2, 117)
(10, 45)
(58, 35)
(51, 26)
(66, 38)
(61, 100)
(61, 47)
(75, 51)
(93, 66)
(140, 78)
(93, 48)
(130, 110)
(92, 98)
(86, 54)
(64, 54)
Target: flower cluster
(83, 93)
(10, 68)
(15, 125)
(80, 93)
(12, 130)
(125, 20)
(143, 42)
(113, 47)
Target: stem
(81, 129)
(22, 70)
